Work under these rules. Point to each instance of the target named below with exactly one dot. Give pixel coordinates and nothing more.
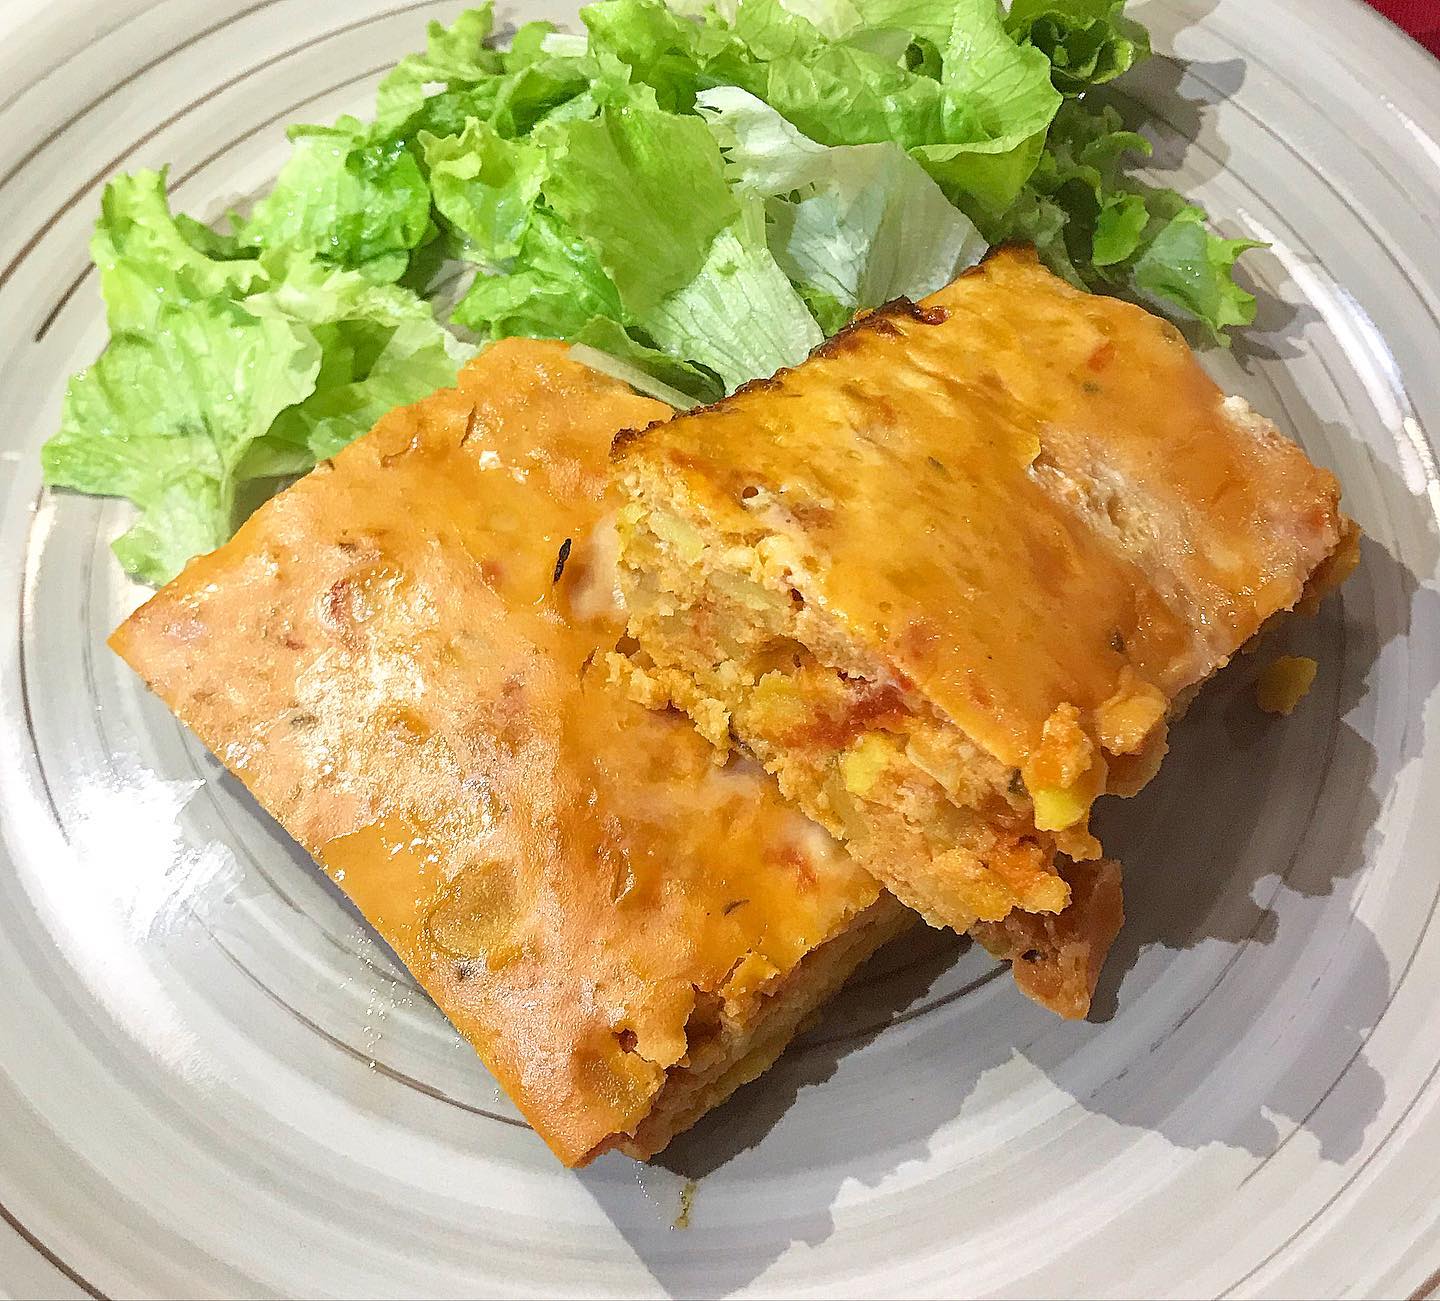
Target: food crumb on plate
(687, 1200)
(1284, 683)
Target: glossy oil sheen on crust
(1020, 495)
(396, 656)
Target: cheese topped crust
(402, 656)
(947, 577)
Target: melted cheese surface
(402, 657)
(1024, 498)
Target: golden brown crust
(950, 477)
(1056, 958)
(1016, 511)
(741, 1056)
(401, 657)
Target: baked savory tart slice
(949, 578)
(402, 657)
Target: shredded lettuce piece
(1185, 265)
(696, 192)
(647, 189)
(148, 259)
(381, 348)
(223, 371)
(1087, 42)
(1105, 230)
(485, 188)
(740, 316)
(166, 416)
(348, 195)
(856, 225)
(557, 287)
(454, 55)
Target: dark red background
(1421, 18)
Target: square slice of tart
(402, 657)
(949, 578)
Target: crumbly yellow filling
(958, 834)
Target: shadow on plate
(1195, 881)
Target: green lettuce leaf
(970, 102)
(1081, 173)
(349, 195)
(978, 126)
(485, 187)
(647, 191)
(1087, 42)
(740, 317)
(662, 49)
(535, 40)
(860, 224)
(999, 102)
(226, 371)
(830, 313)
(557, 287)
(1120, 226)
(459, 77)
(381, 348)
(148, 259)
(1185, 266)
(840, 95)
(454, 56)
(414, 360)
(531, 93)
(165, 418)
(1102, 229)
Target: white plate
(213, 1080)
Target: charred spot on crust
(469, 426)
(880, 321)
(620, 444)
(734, 904)
(762, 385)
(628, 1040)
(930, 315)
